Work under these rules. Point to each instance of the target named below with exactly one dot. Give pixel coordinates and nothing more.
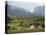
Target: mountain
(17, 11)
(39, 11)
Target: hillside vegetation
(25, 24)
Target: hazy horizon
(26, 5)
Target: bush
(13, 28)
(8, 27)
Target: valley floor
(21, 25)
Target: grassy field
(25, 24)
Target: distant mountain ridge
(39, 11)
(17, 11)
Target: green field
(25, 24)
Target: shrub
(8, 27)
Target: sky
(27, 5)
(37, 1)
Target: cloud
(37, 1)
(27, 5)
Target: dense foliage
(24, 24)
